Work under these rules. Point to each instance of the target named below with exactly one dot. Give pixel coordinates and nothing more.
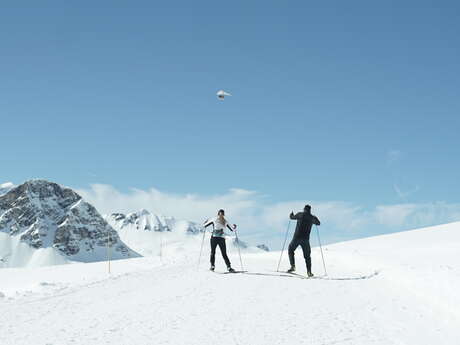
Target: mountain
(43, 223)
(144, 220)
(395, 289)
(151, 234)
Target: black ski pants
(305, 244)
(219, 241)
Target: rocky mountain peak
(44, 214)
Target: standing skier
(218, 238)
(301, 237)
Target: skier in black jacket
(301, 237)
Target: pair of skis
(274, 274)
(301, 276)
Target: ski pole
(321, 249)
(239, 250)
(284, 245)
(201, 250)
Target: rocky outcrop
(263, 247)
(46, 215)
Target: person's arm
(294, 216)
(208, 223)
(231, 227)
(316, 221)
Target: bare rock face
(44, 214)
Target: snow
(19, 254)
(393, 289)
(6, 187)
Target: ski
(275, 274)
(229, 272)
(235, 272)
(300, 275)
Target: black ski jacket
(304, 224)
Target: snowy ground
(394, 289)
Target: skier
(301, 237)
(218, 238)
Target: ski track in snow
(377, 292)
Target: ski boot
(231, 270)
(291, 270)
(309, 274)
(212, 268)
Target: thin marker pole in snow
(321, 249)
(239, 250)
(108, 248)
(284, 245)
(161, 245)
(201, 250)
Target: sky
(351, 106)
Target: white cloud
(262, 221)
(107, 199)
(417, 215)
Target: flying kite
(221, 94)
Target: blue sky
(354, 102)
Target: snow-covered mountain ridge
(147, 221)
(152, 234)
(44, 223)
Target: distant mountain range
(43, 223)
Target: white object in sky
(221, 94)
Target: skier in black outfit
(301, 237)
(218, 238)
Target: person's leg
(213, 250)
(223, 250)
(306, 254)
(291, 249)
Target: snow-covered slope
(43, 223)
(395, 289)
